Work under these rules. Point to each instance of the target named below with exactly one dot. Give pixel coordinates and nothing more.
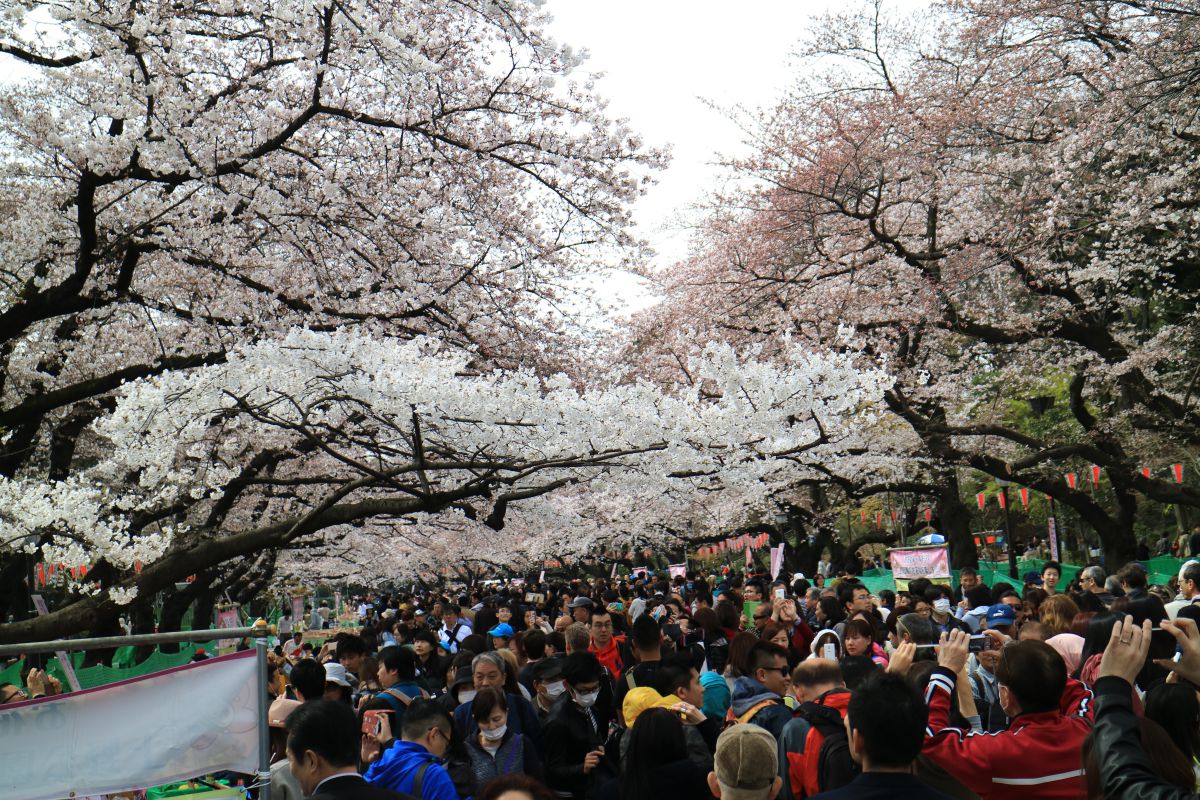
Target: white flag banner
(160, 728)
(776, 560)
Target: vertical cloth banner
(776, 560)
(1053, 538)
(64, 661)
(159, 728)
(297, 609)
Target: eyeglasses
(18, 694)
(781, 670)
(762, 616)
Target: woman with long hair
(656, 765)
(1176, 707)
(1056, 614)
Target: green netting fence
(1159, 570)
(123, 665)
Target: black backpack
(835, 765)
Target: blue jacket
(397, 769)
(748, 693)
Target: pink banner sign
(677, 570)
(920, 562)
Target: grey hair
(1095, 573)
(490, 658)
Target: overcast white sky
(665, 62)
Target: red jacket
(1037, 757)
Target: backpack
(991, 716)
(403, 698)
(827, 761)
(732, 719)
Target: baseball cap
(746, 762)
(503, 629)
(1001, 614)
(336, 673)
(1033, 577)
(580, 602)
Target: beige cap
(746, 761)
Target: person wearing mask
(490, 670)
(885, 725)
(940, 613)
(745, 765)
(548, 686)
(496, 750)
(758, 696)
(321, 747)
(411, 765)
(1039, 755)
(576, 763)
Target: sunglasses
(781, 670)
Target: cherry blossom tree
(180, 178)
(1000, 198)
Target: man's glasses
(781, 670)
(17, 694)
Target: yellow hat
(641, 698)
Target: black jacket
(1124, 767)
(569, 737)
(355, 787)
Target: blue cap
(503, 629)
(1001, 614)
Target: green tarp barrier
(1159, 570)
(100, 674)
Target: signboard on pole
(160, 728)
(227, 618)
(677, 570)
(1053, 539)
(909, 563)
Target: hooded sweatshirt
(748, 693)
(397, 769)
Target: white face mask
(587, 700)
(466, 695)
(495, 735)
(941, 605)
(555, 689)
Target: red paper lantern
(1145, 472)
(878, 519)
(1025, 499)
(981, 498)
(1095, 476)
(1071, 479)
(928, 515)
(1000, 500)
(1178, 470)
(862, 512)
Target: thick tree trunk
(955, 523)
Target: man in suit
(885, 723)
(323, 749)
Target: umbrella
(932, 538)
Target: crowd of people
(732, 686)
